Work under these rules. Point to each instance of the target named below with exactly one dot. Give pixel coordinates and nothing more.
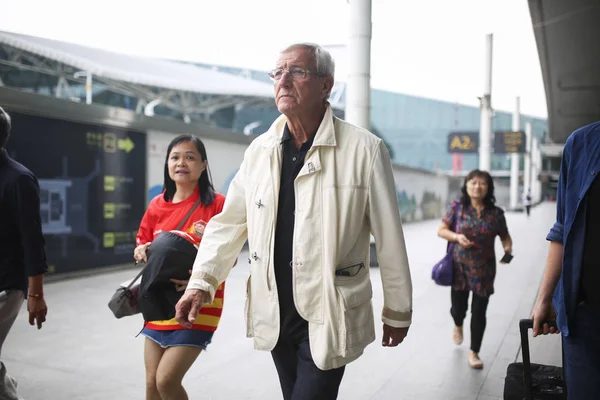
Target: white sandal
(457, 335)
(474, 360)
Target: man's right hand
(140, 253)
(189, 306)
(542, 313)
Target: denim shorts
(180, 337)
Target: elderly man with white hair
(308, 195)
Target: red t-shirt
(166, 216)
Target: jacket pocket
(356, 319)
(248, 308)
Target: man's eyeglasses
(294, 73)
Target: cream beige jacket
(344, 193)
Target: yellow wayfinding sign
(463, 142)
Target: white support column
(535, 171)
(59, 86)
(538, 163)
(88, 88)
(514, 159)
(139, 107)
(88, 84)
(358, 88)
(149, 108)
(485, 130)
(527, 161)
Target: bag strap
(187, 216)
(136, 277)
(456, 216)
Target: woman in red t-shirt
(170, 349)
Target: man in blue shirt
(571, 281)
(22, 254)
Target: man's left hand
(392, 337)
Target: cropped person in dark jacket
(572, 274)
(22, 253)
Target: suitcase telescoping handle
(524, 326)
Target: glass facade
(415, 129)
(418, 129)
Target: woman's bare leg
(153, 354)
(174, 364)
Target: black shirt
(22, 251)
(590, 274)
(293, 327)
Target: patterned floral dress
(475, 267)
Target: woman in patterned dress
(479, 221)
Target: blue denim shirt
(579, 167)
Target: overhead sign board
(463, 142)
(509, 142)
(505, 142)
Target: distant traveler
(527, 203)
(478, 222)
(569, 291)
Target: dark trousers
(528, 209)
(582, 355)
(460, 304)
(299, 376)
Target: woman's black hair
(490, 200)
(205, 186)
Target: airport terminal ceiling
(186, 91)
(567, 35)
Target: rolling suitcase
(527, 381)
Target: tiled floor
(82, 352)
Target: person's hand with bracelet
(36, 306)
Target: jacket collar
(325, 135)
(3, 157)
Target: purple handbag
(441, 272)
